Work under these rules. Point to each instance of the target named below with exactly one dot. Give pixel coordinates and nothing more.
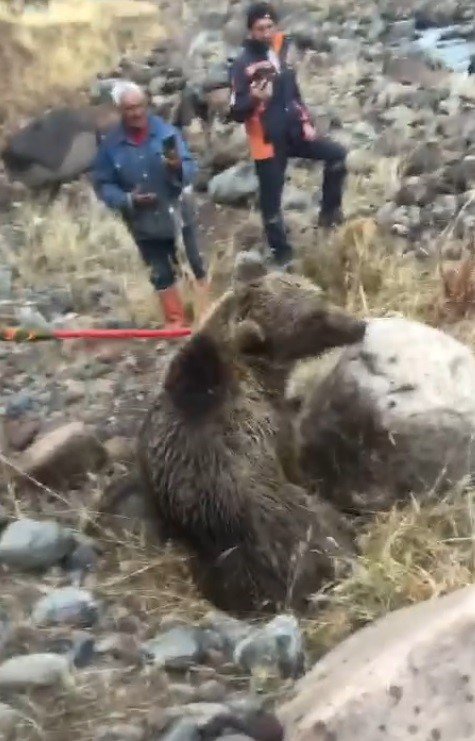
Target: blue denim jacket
(120, 166)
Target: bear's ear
(248, 266)
(249, 337)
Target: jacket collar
(258, 47)
(155, 128)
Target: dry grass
(47, 56)
(83, 246)
(361, 269)
(407, 555)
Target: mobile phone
(169, 145)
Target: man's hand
(173, 161)
(143, 199)
(261, 90)
(310, 133)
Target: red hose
(19, 334)
(121, 334)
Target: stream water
(454, 53)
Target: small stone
(83, 650)
(121, 732)
(8, 720)
(201, 713)
(82, 559)
(296, 200)
(177, 649)
(34, 670)
(235, 186)
(64, 455)
(30, 544)
(211, 691)
(123, 647)
(278, 644)
(75, 391)
(120, 449)
(231, 630)
(19, 404)
(69, 606)
(5, 282)
(182, 693)
(183, 730)
(21, 432)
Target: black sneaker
(330, 219)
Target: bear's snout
(343, 329)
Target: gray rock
(409, 675)
(5, 282)
(82, 559)
(425, 158)
(83, 650)
(53, 148)
(401, 30)
(468, 168)
(278, 644)
(183, 730)
(34, 670)
(230, 630)
(444, 209)
(200, 712)
(178, 648)
(19, 404)
(417, 191)
(30, 544)
(63, 456)
(182, 693)
(211, 691)
(296, 200)
(235, 186)
(121, 732)
(69, 606)
(411, 392)
(101, 90)
(8, 720)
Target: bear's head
(261, 325)
(278, 316)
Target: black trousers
(161, 258)
(271, 176)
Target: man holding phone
(267, 99)
(144, 170)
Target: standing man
(143, 171)
(267, 99)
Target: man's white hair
(122, 87)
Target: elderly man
(142, 170)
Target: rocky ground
(119, 644)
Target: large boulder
(64, 455)
(56, 147)
(395, 416)
(235, 186)
(410, 675)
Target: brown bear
(207, 448)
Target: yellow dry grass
(81, 248)
(48, 55)
(407, 555)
